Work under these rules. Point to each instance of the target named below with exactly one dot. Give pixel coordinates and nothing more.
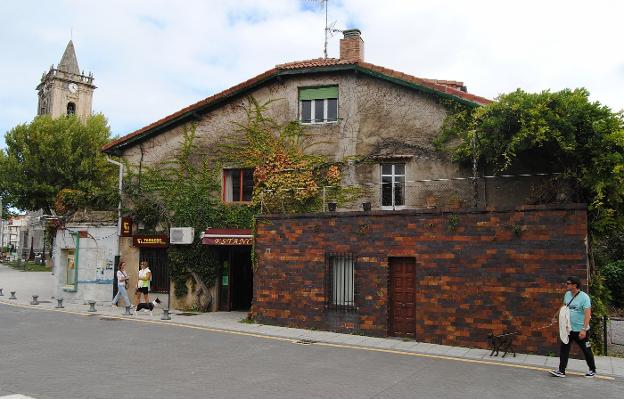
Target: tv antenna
(329, 27)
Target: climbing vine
(184, 192)
(286, 178)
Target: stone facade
(65, 90)
(477, 271)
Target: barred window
(340, 282)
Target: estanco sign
(227, 237)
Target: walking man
(574, 319)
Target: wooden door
(402, 302)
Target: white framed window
(318, 104)
(392, 185)
(340, 282)
(237, 185)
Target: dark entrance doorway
(157, 261)
(236, 282)
(402, 302)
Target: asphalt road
(46, 354)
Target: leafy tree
(47, 156)
(584, 140)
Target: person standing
(143, 285)
(578, 305)
(122, 285)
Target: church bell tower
(65, 90)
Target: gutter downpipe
(120, 165)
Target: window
(237, 185)
(71, 108)
(340, 282)
(392, 185)
(318, 104)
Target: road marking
(317, 343)
(16, 396)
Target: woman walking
(122, 284)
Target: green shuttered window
(318, 104)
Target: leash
(518, 332)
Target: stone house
(380, 124)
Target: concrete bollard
(165, 315)
(35, 300)
(128, 312)
(1, 294)
(60, 303)
(91, 306)
(12, 295)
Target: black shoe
(557, 373)
(590, 374)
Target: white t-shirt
(121, 278)
(142, 275)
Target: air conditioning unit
(181, 235)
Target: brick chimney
(352, 46)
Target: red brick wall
(476, 271)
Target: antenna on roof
(329, 28)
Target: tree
(581, 139)
(51, 156)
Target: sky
(151, 58)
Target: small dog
(503, 343)
(148, 306)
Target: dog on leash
(502, 343)
(148, 306)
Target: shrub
(613, 274)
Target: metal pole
(121, 170)
(475, 183)
(604, 333)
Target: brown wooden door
(402, 318)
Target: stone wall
(477, 271)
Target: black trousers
(564, 352)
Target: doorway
(402, 301)
(236, 282)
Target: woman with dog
(145, 276)
(122, 284)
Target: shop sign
(227, 241)
(144, 241)
(126, 226)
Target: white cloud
(151, 58)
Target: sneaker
(557, 373)
(590, 374)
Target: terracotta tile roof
(448, 87)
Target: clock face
(73, 87)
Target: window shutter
(318, 93)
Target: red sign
(227, 241)
(227, 237)
(126, 226)
(150, 241)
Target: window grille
(340, 282)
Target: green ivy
(184, 192)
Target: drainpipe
(121, 171)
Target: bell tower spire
(65, 90)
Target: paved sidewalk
(27, 284)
